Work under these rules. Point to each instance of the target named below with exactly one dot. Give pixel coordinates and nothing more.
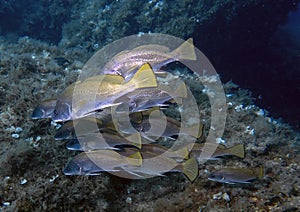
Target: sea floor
(31, 177)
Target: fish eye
(55, 112)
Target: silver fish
(126, 63)
(236, 175)
(103, 140)
(129, 162)
(155, 164)
(237, 150)
(143, 99)
(85, 98)
(95, 162)
(44, 109)
(158, 125)
(82, 126)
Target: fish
(103, 140)
(44, 109)
(98, 161)
(82, 126)
(181, 153)
(172, 128)
(237, 150)
(156, 125)
(129, 162)
(127, 62)
(236, 175)
(155, 164)
(143, 99)
(85, 98)
(67, 131)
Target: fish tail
(143, 78)
(191, 169)
(260, 172)
(237, 150)
(185, 51)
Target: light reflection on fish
(95, 162)
(156, 124)
(236, 175)
(143, 99)
(156, 164)
(127, 62)
(103, 140)
(83, 126)
(220, 150)
(149, 165)
(92, 95)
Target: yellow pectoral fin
(143, 78)
(135, 159)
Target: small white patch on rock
(129, 200)
(23, 182)
(226, 197)
(217, 196)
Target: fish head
(82, 167)
(62, 111)
(72, 168)
(64, 134)
(74, 144)
(44, 109)
(219, 177)
(39, 112)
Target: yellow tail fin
(261, 172)
(185, 51)
(191, 169)
(238, 150)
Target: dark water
(42, 20)
(260, 56)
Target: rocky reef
(43, 48)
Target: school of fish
(115, 120)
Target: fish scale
(129, 80)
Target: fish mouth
(37, 113)
(74, 144)
(72, 169)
